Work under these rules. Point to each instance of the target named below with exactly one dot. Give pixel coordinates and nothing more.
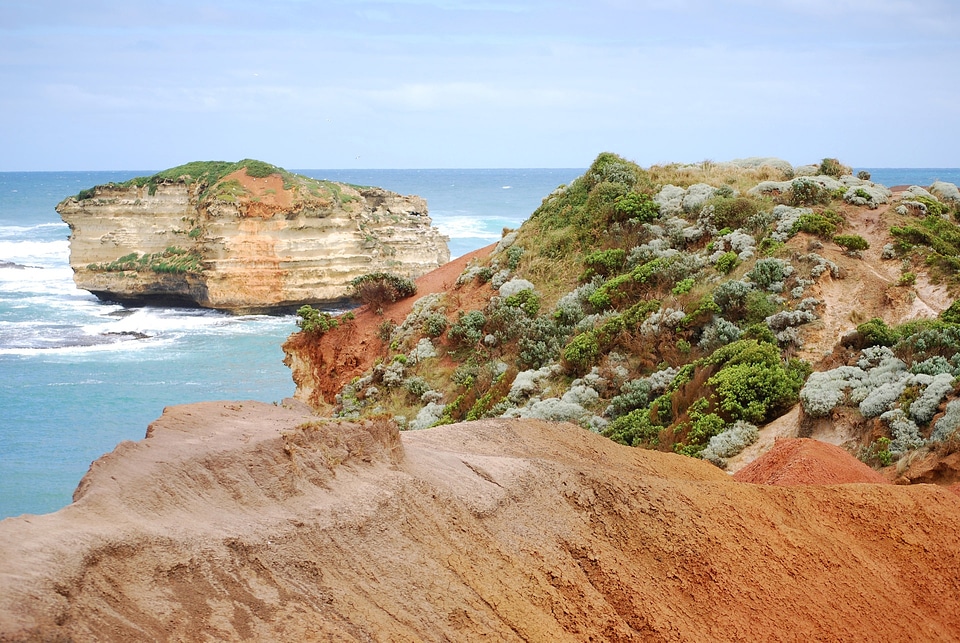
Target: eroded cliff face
(244, 244)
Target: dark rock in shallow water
(128, 334)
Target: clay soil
(248, 521)
(805, 461)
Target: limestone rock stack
(243, 243)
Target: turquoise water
(73, 380)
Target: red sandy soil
(248, 521)
(266, 196)
(802, 461)
(352, 348)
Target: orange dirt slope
(247, 521)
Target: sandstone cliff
(247, 521)
(243, 243)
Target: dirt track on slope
(248, 521)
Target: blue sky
(123, 84)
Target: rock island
(244, 237)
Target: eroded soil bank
(238, 521)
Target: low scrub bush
(876, 333)
(770, 271)
(805, 191)
(833, 167)
(730, 442)
(468, 329)
(727, 262)
(314, 322)
(851, 242)
(605, 262)
(816, 224)
(379, 288)
(435, 324)
(733, 212)
(753, 383)
(636, 206)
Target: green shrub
(526, 300)
(833, 167)
(583, 351)
(732, 212)
(933, 206)
(683, 286)
(605, 262)
(314, 322)
(636, 206)
(907, 279)
(434, 325)
(851, 242)
(611, 292)
(378, 288)
(952, 314)
(635, 429)
(876, 333)
(815, 224)
(468, 329)
(727, 262)
(758, 307)
(769, 246)
(805, 191)
(752, 382)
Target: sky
(131, 85)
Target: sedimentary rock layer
(244, 244)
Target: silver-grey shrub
(934, 366)
(663, 320)
(826, 390)
(718, 332)
(514, 286)
(786, 216)
(660, 380)
(427, 416)
(948, 424)
(925, 407)
(789, 318)
(730, 442)
(634, 394)
(906, 434)
(770, 272)
(732, 295)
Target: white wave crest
(470, 227)
(42, 253)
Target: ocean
(73, 380)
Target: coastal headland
(679, 403)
